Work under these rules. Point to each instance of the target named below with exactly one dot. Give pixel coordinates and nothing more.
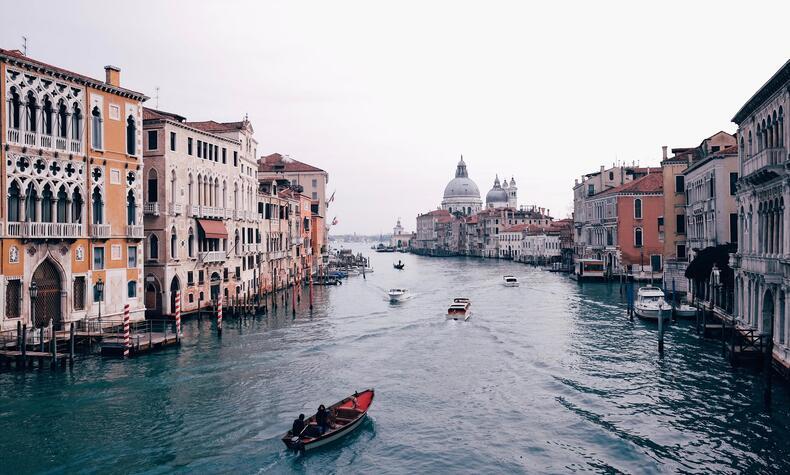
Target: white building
(461, 194)
(761, 265)
(400, 238)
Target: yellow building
(72, 217)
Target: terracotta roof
(437, 212)
(18, 56)
(153, 114)
(444, 219)
(214, 126)
(472, 219)
(278, 163)
(516, 228)
(652, 183)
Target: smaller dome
(497, 194)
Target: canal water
(548, 377)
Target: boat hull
(459, 317)
(648, 313)
(511, 284)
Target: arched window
(131, 289)
(191, 243)
(131, 136)
(13, 202)
(46, 204)
(31, 112)
(76, 123)
(15, 109)
(173, 244)
(63, 120)
(153, 186)
(30, 203)
(750, 143)
(62, 204)
(47, 116)
(153, 247)
(131, 208)
(637, 208)
(638, 237)
(76, 206)
(96, 129)
(189, 192)
(173, 187)
(98, 206)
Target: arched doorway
(153, 296)
(215, 284)
(768, 312)
(175, 286)
(48, 301)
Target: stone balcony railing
(151, 208)
(176, 209)
(767, 157)
(100, 231)
(45, 230)
(37, 139)
(134, 231)
(212, 256)
(278, 254)
(770, 267)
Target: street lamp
(33, 297)
(99, 295)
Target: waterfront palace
(110, 203)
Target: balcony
(176, 209)
(194, 210)
(770, 268)
(151, 208)
(764, 165)
(134, 231)
(212, 256)
(46, 141)
(45, 230)
(100, 231)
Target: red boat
(345, 416)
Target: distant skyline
(386, 97)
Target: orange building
(72, 165)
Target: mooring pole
(660, 330)
(674, 301)
(219, 317)
(24, 346)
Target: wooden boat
(400, 265)
(345, 416)
(459, 309)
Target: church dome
(497, 194)
(461, 186)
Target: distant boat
(326, 280)
(400, 265)
(459, 309)
(685, 311)
(650, 304)
(510, 281)
(398, 295)
(345, 416)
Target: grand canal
(548, 377)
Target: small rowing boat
(345, 416)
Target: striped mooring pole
(178, 315)
(127, 337)
(219, 315)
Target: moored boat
(397, 295)
(685, 311)
(459, 309)
(650, 304)
(345, 416)
(510, 281)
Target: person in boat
(322, 419)
(298, 426)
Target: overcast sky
(386, 97)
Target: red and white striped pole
(219, 316)
(127, 337)
(178, 315)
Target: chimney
(112, 75)
(664, 152)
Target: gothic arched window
(96, 128)
(76, 123)
(47, 116)
(30, 203)
(13, 202)
(173, 244)
(131, 208)
(637, 208)
(191, 243)
(131, 136)
(62, 204)
(63, 125)
(31, 111)
(15, 112)
(98, 206)
(76, 206)
(46, 204)
(153, 247)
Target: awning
(700, 268)
(213, 229)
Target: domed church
(502, 195)
(461, 195)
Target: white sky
(386, 96)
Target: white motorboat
(650, 304)
(398, 295)
(685, 311)
(510, 281)
(459, 309)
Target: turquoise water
(548, 377)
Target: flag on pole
(331, 199)
(334, 221)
